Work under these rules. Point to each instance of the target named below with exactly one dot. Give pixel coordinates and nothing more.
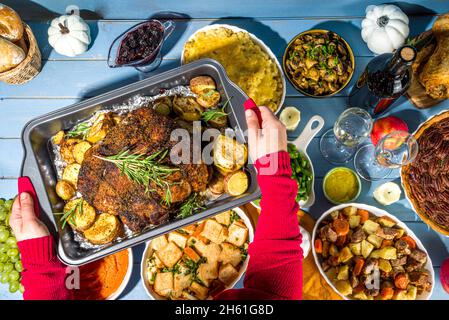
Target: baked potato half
(229, 155)
(208, 98)
(83, 216)
(65, 190)
(100, 127)
(79, 150)
(70, 173)
(104, 230)
(201, 84)
(236, 183)
(187, 108)
(66, 150)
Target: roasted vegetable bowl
(365, 253)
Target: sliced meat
(399, 262)
(387, 233)
(419, 279)
(329, 234)
(402, 247)
(419, 255)
(358, 235)
(413, 265)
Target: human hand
(23, 220)
(272, 137)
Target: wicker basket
(28, 68)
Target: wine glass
(353, 126)
(394, 150)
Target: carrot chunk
(401, 281)
(341, 227)
(364, 215)
(318, 246)
(410, 241)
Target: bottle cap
(407, 53)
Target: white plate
(149, 251)
(125, 281)
(264, 47)
(377, 212)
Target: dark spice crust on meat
(104, 187)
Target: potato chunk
(70, 173)
(169, 255)
(83, 216)
(65, 190)
(79, 150)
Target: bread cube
(224, 218)
(212, 252)
(213, 231)
(190, 229)
(208, 272)
(163, 283)
(178, 238)
(227, 274)
(159, 242)
(191, 254)
(181, 281)
(238, 234)
(230, 254)
(197, 244)
(200, 291)
(169, 255)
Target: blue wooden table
(64, 81)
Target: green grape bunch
(10, 264)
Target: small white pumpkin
(385, 28)
(69, 35)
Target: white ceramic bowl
(125, 281)
(377, 212)
(149, 251)
(264, 47)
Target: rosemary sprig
(69, 216)
(144, 169)
(193, 203)
(81, 130)
(213, 114)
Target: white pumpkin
(385, 28)
(69, 35)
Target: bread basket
(30, 66)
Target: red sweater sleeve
(43, 275)
(275, 265)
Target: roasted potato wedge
(67, 149)
(104, 230)
(201, 84)
(83, 216)
(229, 155)
(79, 150)
(208, 98)
(100, 127)
(58, 137)
(65, 190)
(70, 173)
(236, 183)
(187, 108)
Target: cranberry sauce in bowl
(141, 44)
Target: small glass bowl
(148, 63)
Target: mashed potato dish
(246, 63)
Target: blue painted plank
(138, 9)
(275, 33)
(81, 78)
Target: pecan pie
(426, 180)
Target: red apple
(384, 126)
(444, 275)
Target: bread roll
(10, 55)
(11, 26)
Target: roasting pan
(39, 167)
